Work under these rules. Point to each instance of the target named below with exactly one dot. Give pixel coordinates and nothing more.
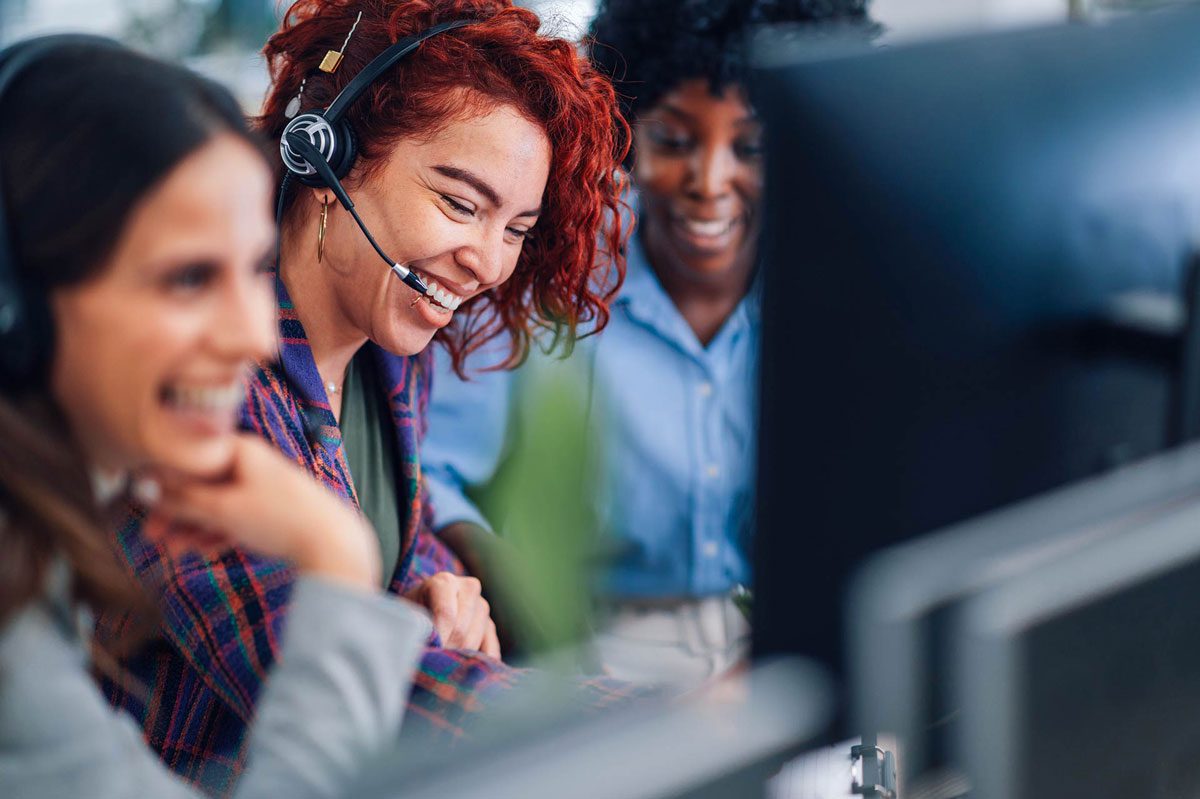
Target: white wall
(909, 19)
(905, 19)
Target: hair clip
(333, 58)
(330, 63)
(293, 106)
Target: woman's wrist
(341, 549)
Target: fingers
(255, 454)
(441, 598)
(468, 627)
(200, 504)
(491, 641)
(478, 616)
(461, 616)
(178, 540)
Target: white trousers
(681, 644)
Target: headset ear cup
(347, 149)
(345, 152)
(27, 349)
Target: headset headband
(328, 130)
(23, 320)
(380, 64)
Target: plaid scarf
(194, 688)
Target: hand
(461, 616)
(270, 505)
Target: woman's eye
(670, 142)
(518, 233)
(457, 206)
(191, 277)
(748, 149)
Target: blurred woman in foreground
(137, 224)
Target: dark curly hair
(504, 59)
(649, 47)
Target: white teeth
(440, 296)
(207, 399)
(715, 227)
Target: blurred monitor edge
(906, 609)
(979, 272)
(714, 745)
(1078, 675)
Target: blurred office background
(221, 38)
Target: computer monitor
(720, 744)
(904, 671)
(1080, 676)
(977, 262)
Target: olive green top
(370, 444)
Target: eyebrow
(751, 119)
(480, 185)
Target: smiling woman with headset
(132, 304)
(451, 173)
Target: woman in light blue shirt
(673, 375)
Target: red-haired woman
(488, 164)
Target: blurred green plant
(545, 497)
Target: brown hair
(133, 119)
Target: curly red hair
(571, 267)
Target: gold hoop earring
(321, 229)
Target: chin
(404, 339)
(710, 267)
(714, 266)
(203, 460)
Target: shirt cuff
(450, 505)
(323, 606)
(338, 694)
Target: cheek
(84, 366)
(660, 176)
(510, 265)
(749, 184)
(109, 369)
(179, 349)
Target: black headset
(318, 148)
(26, 330)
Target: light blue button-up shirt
(678, 428)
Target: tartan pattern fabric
(194, 688)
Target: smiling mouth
(706, 228)
(220, 402)
(438, 297)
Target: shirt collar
(641, 283)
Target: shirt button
(713, 471)
(705, 389)
(710, 549)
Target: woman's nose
(246, 328)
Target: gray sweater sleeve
(336, 698)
